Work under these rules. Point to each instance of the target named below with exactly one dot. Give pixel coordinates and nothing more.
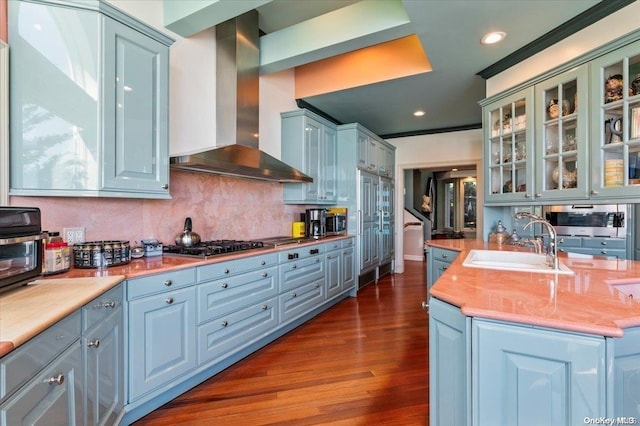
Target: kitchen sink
(512, 261)
(628, 288)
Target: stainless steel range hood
(237, 85)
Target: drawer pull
(444, 268)
(294, 267)
(169, 300)
(561, 241)
(314, 251)
(168, 283)
(603, 251)
(224, 285)
(94, 343)
(55, 380)
(224, 323)
(264, 307)
(263, 263)
(294, 295)
(226, 271)
(604, 243)
(264, 274)
(110, 304)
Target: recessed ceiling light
(493, 37)
(418, 113)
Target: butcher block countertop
(29, 310)
(586, 302)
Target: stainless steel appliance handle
(360, 224)
(16, 240)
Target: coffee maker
(315, 223)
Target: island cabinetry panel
(103, 352)
(438, 261)
(309, 143)
(626, 374)
(449, 368)
(523, 375)
(597, 246)
(89, 102)
(162, 327)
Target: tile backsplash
(220, 208)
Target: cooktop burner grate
(213, 248)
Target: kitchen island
(534, 348)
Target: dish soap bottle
(500, 235)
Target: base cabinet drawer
(162, 339)
(53, 397)
(226, 335)
(23, 363)
(298, 301)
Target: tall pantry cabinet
(366, 187)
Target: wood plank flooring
(362, 362)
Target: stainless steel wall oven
(607, 220)
(20, 246)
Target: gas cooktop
(206, 249)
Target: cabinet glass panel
(508, 148)
(620, 129)
(560, 133)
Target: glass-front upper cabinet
(508, 136)
(561, 136)
(616, 123)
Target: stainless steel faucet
(552, 248)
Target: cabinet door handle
(94, 343)
(444, 268)
(165, 186)
(169, 300)
(444, 255)
(594, 192)
(55, 380)
(425, 305)
(224, 285)
(168, 283)
(264, 307)
(538, 195)
(264, 274)
(527, 195)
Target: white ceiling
(449, 31)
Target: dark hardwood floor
(362, 362)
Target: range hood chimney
(237, 86)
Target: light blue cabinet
(487, 372)
(162, 330)
(438, 260)
(89, 102)
(72, 373)
(348, 264)
(597, 246)
(103, 353)
(528, 376)
(237, 307)
(53, 397)
(626, 375)
(449, 367)
(309, 145)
